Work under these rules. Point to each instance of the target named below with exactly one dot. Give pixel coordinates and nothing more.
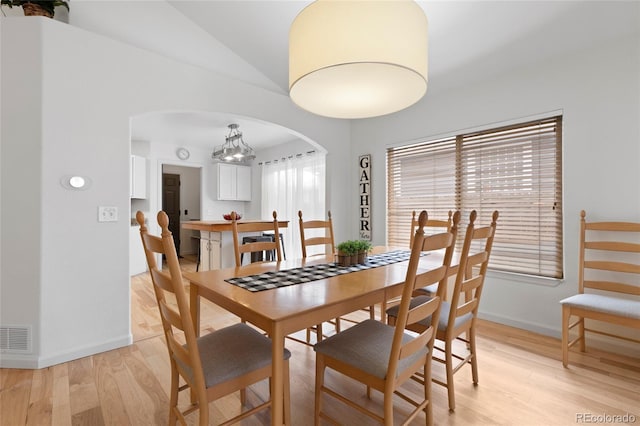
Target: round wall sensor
(75, 182)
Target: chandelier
(234, 149)
(357, 59)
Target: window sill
(525, 279)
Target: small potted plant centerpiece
(363, 248)
(347, 252)
(37, 7)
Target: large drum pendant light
(358, 58)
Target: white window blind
(516, 170)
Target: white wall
(72, 95)
(598, 92)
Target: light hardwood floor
(522, 382)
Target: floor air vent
(15, 339)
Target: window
(291, 184)
(516, 170)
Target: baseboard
(8, 360)
(597, 341)
(524, 325)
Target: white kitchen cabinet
(234, 182)
(210, 248)
(138, 187)
(243, 183)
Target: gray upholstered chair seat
(222, 350)
(366, 346)
(606, 304)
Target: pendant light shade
(358, 58)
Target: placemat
(305, 274)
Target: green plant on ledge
(37, 7)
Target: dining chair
(608, 277)
(211, 366)
(260, 244)
(384, 357)
(319, 233)
(458, 319)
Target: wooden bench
(610, 266)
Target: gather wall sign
(364, 186)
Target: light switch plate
(107, 214)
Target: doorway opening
(181, 192)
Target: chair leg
(318, 332)
(448, 348)
(243, 396)
(474, 357)
(427, 392)
(319, 384)
(583, 341)
(173, 402)
(566, 315)
(388, 409)
(203, 413)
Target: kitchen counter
(216, 242)
(224, 225)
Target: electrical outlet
(107, 214)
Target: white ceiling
(248, 40)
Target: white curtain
(292, 184)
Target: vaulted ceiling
(468, 41)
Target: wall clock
(183, 153)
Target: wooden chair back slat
(428, 278)
(171, 316)
(420, 312)
(472, 283)
(612, 246)
(630, 268)
(476, 259)
(418, 343)
(613, 286)
(467, 307)
(612, 226)
(162, 280)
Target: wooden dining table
(285, 310)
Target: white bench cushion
(605, 304)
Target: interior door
(171, 205)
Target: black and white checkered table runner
(305, 274)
